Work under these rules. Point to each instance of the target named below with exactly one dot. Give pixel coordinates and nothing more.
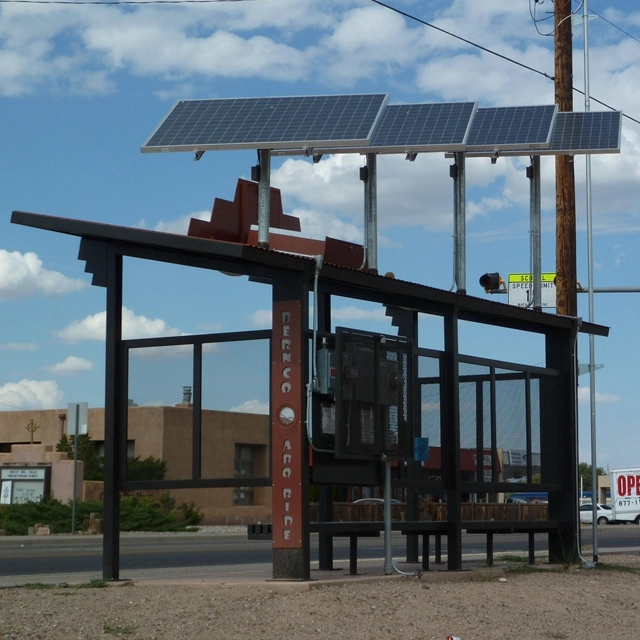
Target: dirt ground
(559, 604)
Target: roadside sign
(520, 289)
(78, 419)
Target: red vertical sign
(287, 425)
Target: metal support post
(536, 233)
(460, 223)
(75, 471)
(388, 545)
(592, 354)
(371, 212)
(264, 198)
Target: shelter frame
(103, 248)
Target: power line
(493, 53)
(378, 2)
(457, 37)
(615, 26)
(120, 2)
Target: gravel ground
(584, 604)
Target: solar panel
(268, 123)
(577, 132)
(585, 132)
(419, 127)
(498, 128)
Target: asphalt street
(58, 554)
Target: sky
(82, 86)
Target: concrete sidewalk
(259, 575)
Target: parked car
(604, 514)
(375, 501)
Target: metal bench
(494, 527)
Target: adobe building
(233, 444)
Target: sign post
(520, 290)
(77, 424)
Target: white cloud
(30, 394)
(252, 406)
(320, 224)
(167, 43)
(584, 396)
(355, 313)
(261, 318)
(328, 197)
(22, 275)
(171, 352)
(181, 224)
(71, 366)
(94, 327)
(368, 42)
(19, 346)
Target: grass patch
(511, 558)
(119, 631)
(528, 568)
(602, 566)
(92, 584)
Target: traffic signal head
(491, 281)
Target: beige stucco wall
(166, 433)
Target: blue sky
(82, 87)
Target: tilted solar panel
(587, 131)
(423, 126)
(575, 132)
(512, 127)
(268, 123)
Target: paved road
(72, 554)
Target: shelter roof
(267, 264)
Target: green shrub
(148, 468)
(137, 513)
(138, 468)
(93, 464)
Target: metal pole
(264, 198)
(592, 368)
(388, 546)
(75, 470)
(372, 212)
(533, 173)
(453, 173)
(460, 224)
(537, 236)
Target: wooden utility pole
(566, 276)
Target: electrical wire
(378, 2)
(615, 26)
(493, 53)
(313, 384)
(120, 2)
(457, 37)
(536, 20)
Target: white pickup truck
(625, 495)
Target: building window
(245, 465)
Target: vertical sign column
(289, 513)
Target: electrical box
(326, 364)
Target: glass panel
(160, 414)
(536, 449)
(235, 409)
(235, 376)
(475, 406)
